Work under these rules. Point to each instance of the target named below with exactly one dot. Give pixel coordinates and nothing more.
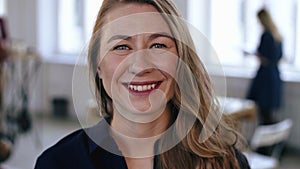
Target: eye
(158, 45)
(121, 47)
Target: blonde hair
(268, 24)
(190, 153)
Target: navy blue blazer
(79, 151)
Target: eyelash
(155, 45)
(121, 47)
(125, 47)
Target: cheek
(106, 71)
(108, 67)
(169, 64)
(172, 67)
(109, 64)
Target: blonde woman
(266, 87)
(155, 95)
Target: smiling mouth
(140, 87)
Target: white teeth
(141, 87)
(145, 87)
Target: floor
(48, 131)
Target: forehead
(134, 18)
(122, 9)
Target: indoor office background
(58, 32)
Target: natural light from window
(2, 7)
(226, 30)
(234, 28)
(231, 26)
(75, 22)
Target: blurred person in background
(266, 87)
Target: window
(2, 7)
(75, 22)
(234, 27)
(283, 13)
(226, 30)
(297, 52)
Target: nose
(140, 63)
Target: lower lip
(143, 93)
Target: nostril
(139, 71)
(140, 63)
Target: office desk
(242, 112)
(238, 108)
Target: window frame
(292, 60)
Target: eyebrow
(151, 37)
(160, 34)
(116, 37)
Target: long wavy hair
(268, 24)
(218, 150)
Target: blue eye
(121, 47)
(158, 46)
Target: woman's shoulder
(267, 36)
(64, 150)
(67, 142)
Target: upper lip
(142, 83)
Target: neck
(137, 139)
(134, 129)
(138, 163)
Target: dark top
(266, 87)
(79, 151)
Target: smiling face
(138, 61)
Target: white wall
(182, 6)
(22, 21)
(57, 83)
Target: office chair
(268, 135)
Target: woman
(158, 115)
(266, 87)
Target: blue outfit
(266, 87)
(79, 151)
